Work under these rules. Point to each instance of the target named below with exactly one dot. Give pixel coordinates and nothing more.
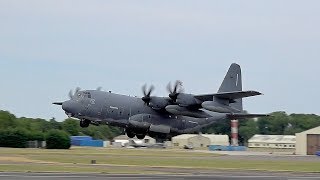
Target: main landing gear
(131, 134)
(84, 123)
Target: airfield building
(200, 140)
(272, 141)
(308, 142)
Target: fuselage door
(113, 111)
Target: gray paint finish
(161, 116)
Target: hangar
(272, 141)
(308, 142)
(200, 140)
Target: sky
(49, 47)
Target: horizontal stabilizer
(236, 94)
(244, 116)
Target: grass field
(136, 161)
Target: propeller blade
(77, 90)
(99, 88)
(150, 90)
(58, 103)
(144, 89)
(180, 89)
(70, 94)
(169, 87)
(176, 86)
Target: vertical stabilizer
(233, 82)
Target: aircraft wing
(243, 115)
(228, 95)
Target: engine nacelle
(143, 123)
(187, 100)
(217, 107)
(160, 129)
(158, 103)
(183, 111)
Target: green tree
(274, 124)
(36, 136)
(71, 126)
(247, 130)
(16, 137)
(7, 120)
(54, 124)
(57, 139)
(222, 127)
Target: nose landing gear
(84, 123)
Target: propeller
(99, 88)
(71, 94)
(175, 90)
(146, 98)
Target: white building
(272, 141)
(308, 142)
(200, 140)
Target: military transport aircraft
(178, 113)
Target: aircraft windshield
(82, 95)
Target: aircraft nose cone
(68, 107)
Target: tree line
(15, 132)
(279, 123)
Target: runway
(217, 176)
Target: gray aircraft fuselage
(131, 112)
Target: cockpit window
(87, 94)
(83, 95)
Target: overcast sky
(49, 47)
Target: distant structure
(272, 141)
(124, 140)
(308, 142)
(234, 132)
(87, 141)
(36, 144)
(199, 140)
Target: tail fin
(233, 82)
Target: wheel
(141, 136)
(130, 134)
(84, 123)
